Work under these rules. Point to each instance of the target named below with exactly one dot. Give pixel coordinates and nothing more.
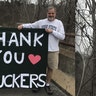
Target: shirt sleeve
(31, 25)
(61, 33)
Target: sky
(34, 1)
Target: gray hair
(51, 7)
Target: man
(56, 32)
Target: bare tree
(94, 46)
(86, 41)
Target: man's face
(51, 14)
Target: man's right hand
(20, 27)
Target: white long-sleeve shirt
(54, 37)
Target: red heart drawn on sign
(34, 59)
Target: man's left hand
(49, 30)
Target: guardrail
(66, 75)
(69, 36)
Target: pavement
(28, 92)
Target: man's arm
(58, 34)
(29, 25)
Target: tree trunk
(94, 49)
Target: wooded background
(23, 11)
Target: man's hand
(49, 30)
(20, 27)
